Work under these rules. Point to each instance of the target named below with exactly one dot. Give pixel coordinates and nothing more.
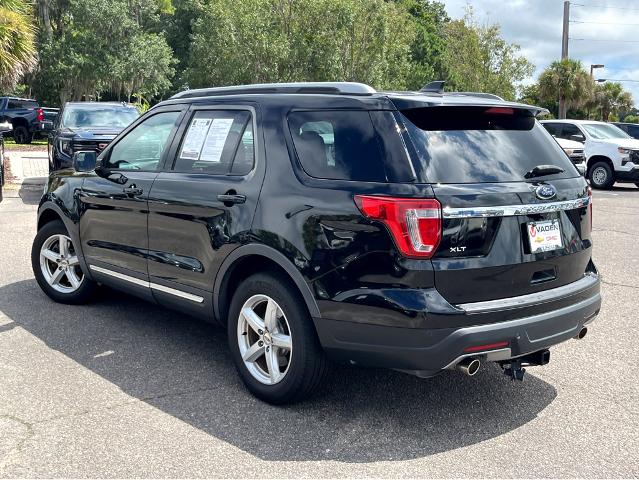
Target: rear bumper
(425, 351)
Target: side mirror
(84, 161)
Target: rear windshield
(92, 116)
(480, 144)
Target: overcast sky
(536, 26)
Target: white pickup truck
(611, 154)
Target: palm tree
(17, 41)
(612, 98)
(568, 82)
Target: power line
(602, 40)
(605, 23)
(603, 6)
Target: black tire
(81, 294)
(601, 176)
(21, 135)
(308, 364)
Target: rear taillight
(415, 224)
(590, 205)
(40, 113)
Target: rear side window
(217, 142)
(340, 145)
(21, 104)
(480, 144)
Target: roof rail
(334, 88)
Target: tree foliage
(612, 99)
(300, 40)
(143, 50)
(17, 41)
(566, 79)
(477, 58)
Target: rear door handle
(232, 198)
(132, 190)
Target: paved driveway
(122, 388)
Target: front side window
(21, 104)
(217, 142)
(339, 145)
(572, 132)
(142, 147)
(604, 131)
(553, 128)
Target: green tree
(121, 57)
(17, 42)
(242, 41)
(612, 99)
(631, 118)
(566, 80)
(478, 59)
(427, 49)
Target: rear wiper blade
(541, 170)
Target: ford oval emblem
(545, 192)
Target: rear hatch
(508, 229)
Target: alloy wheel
(599, 175)
(59, 264)
(264, 338)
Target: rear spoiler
(424, 100)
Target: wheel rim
(59, 264)
(599, 175)
(264, 338)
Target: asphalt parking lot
(122, 388)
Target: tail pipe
(468, 366)
(582, 333)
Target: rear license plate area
(544, 236)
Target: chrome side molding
(151, 285)
(513, 210)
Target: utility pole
(564, 53)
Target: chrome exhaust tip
(582, 333)
(469, 366)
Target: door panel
(196, 218)
(113, 226)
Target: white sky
(536, 26)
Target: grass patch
(36, 144)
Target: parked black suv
(419, 231)
(86, 126)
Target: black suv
(418, 231)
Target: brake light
(500, 111)
(415, 224)
(40, 114)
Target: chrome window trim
(151, 285)
(544, 296)
(513, 210)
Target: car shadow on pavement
(31, 190)
(182, 367)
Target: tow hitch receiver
(514, 368)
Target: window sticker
(215, 140)
(195, 138)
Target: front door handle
(132, 190)
(231, 198)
